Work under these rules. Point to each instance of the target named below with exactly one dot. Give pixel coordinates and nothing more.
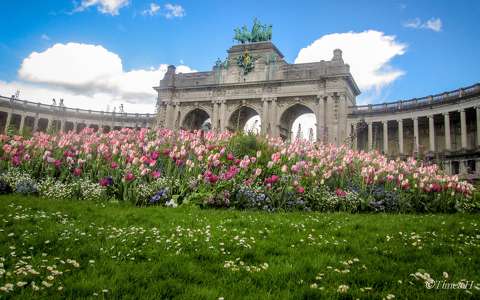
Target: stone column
(215, 116)
(355, 135)
(477, 110)
(431, 133)
(340, 117)
(264, 121)
(416, 144)
(370, 135)
(35, 123)
(75, 127)
(319, 118)
(22, 123)
(222, 115)
(62, 125)
(463, 128)
(463, 167)
(400, 136)
(348, 139)
(273, 117)
(448, 140)
(331, 121)
(168, 115)
(49, 124)
(7, 122)
(385, 137)
(447, 167)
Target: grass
(188, 253)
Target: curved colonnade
(23, 115)
(444, 128)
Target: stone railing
(438, 99)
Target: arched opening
(94, 126)
(80, 127)
(69, 126)
(246, 119)
(105, 129)
(298, 121)
(197, 119)
(42, 124)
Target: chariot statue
(259, 33)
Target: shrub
(4, 187)
(56, 190)
(26, 187)
(246, 144)
(248, 198)
(157, 192)
(89, 191)
(14, 176)
(384, 200)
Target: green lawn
(83, 249)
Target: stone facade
(276, 91)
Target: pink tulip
(129, 177)
(77, 172)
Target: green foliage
(247, 144)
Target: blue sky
(435, 43)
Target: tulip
(77, 172)
(129, 177)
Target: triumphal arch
(254, 79)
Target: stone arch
(240, 115)
(196, 118)
(290, 114)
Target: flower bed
(224, 170)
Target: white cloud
(90, 75)
(434, 24)
(45, 37)
(174, 11)
(368, 53)
(152, 10)
(104, 6)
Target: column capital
(462, 110)
(446, 114)
(430, 116)
(384, 121)
(400, 120)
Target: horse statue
(258, 33)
